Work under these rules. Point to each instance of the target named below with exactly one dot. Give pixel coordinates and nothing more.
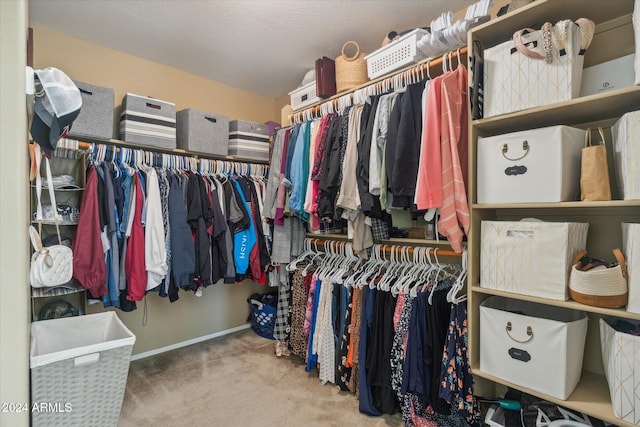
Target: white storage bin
(249, 140)
(81, 364)
(532, 345)
(626, 153)
(202, 132)
(96, 115)
(148, 121)
(530, 257)
(537, 165)
(610, 75)
(631, 249)
(514, 82)
(620, 353)
(396, 54)
(303, 96)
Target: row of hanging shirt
(391, 330)
(403, 148)
(158, 222)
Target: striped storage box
(148, 121)
(249, 140)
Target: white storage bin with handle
(530, 257)
(532, 345)
(397, 54)
(625, 134)
(80, 364)
(621, 358)
(537, 165)
(535, 68)
(631, 249)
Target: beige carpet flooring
(235, 380)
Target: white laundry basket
(79, 368)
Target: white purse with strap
(51, 265)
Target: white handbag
(52, 265)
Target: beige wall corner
(282, 102)
(14, 244)
(284, 115)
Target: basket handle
(579, 255)
(508, 328)
(354, 57)
(623, 265)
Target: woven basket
(600, 286)
(351, 71)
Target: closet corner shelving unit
(74, 164)
(613, 39)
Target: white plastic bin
(79, 368)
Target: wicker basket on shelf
(351, 71)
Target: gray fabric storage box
(249, 140)
(202, 132)
(96, 115)
(148, 121)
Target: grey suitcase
(202, 132)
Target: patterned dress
(298, 341)
(456, 381)
(343, 376)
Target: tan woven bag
(594, 283)
(351, 71)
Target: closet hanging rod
(388, 249)
(190, 162)
(176, 152)
(426, 66)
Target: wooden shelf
(614, 312)
(560, 205)
(593, 108)
(176, 151)
(591, 396)
(537, 13)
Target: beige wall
(222, 306)
(99, 65)
(14, 244)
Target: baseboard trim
(189, 342)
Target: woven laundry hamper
(79, 368)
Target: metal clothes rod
(388, 249)
(228, 162)
(426, 69)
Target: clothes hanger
(452, 295)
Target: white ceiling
(263, 46)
